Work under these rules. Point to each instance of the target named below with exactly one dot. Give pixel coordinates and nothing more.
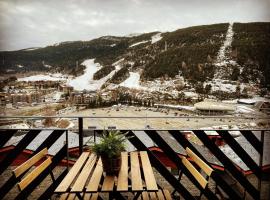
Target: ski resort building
(210, 107)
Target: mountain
(237, 52)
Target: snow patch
(138, 43)
(118, 62)
(44, 77)
(133, 81)
(86, 82)
(156, 38)
(19, 66)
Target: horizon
(127, 35)
(28, 23)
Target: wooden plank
(64, 196)
(32, 175)
(145, 196)
(149, 177)
(82, 178)
(153, 196)
(29, 163)
(206, 168)
(87, 196)
(136, 179)
(95, 179)
(71, 196)
(167, 195)
(160, 195)
(94, 196)
(122, 181)
(64, 185)
(201, 180)
(108, 184)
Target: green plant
(111, 144)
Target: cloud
(31, 23)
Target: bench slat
(29, 163)
(87, 169)
(122, 182)
(95, 179)
(201, 180)
(32, 175)
(148, 172)
(206, 168)
(64, 185)
(136, 180)
(94, 196)
(153, 196)
(160, 195)
(167, 195)
(145, 196)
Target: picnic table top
(87, 175)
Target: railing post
(80, 135)
(261, 164)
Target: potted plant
(109, 148)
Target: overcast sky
(37, 23)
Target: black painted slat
(5, 135)
(31, 187)
(50, 140)
(173, 156)
(7, 186)
(253, 140)
(180, 138)
(27, 139)
(155, 162)
(227, 163)
(50, 190)
(236, 147)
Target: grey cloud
(31, 23)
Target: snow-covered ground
(44, 77)
(221, 57)
(138, 43)
(223, 85)
(133, 81)
(243, 109)
(156, 38)
(223, 60)
(86, 82)
(83, 82)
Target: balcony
(240, 158)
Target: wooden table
(86, 178)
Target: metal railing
(255, 141)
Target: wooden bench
(196, 174)
(31, 176)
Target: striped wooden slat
(148, 172)
(136, 180)
(65, 184)
(122, 181)
(108, 184)
(82, 178)
(96, 177)
(32, 175)
(29, 163)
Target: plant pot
(111, 165)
